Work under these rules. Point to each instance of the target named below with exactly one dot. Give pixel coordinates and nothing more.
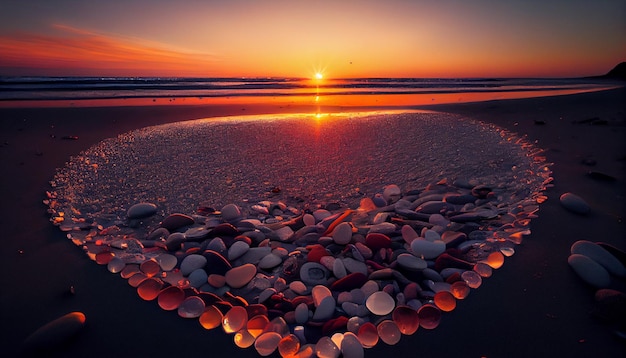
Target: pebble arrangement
(319, 278)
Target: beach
(534, 305)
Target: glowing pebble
(429, 316)
(55, 332)
(368, 335)
(483, 269)
(150, 268)
(116, 265)
(318, 293)
(445, 301)
(288, 346)
(326, 348)
(243, 339)
(191, 307)
(267, 343)
(389, 332)
(472, 279)
(170, 298)
(380, 303)
(103, 257)
(235, 319)
(495, 260)
(149, 289)
(460, 290)
(211, 317)
(129, 271)
(406, 319)
(256, 325)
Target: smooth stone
(589, 271)
(231, 213)
(218, 245)
(55, 333)
(176, 221)
(480, 214)
(325, 310)
(574, 203)
(460, 199)
(141, 210)
(321, 214)
(598, 254)
(302, 313)
(353, 265)
(382, 228)
(427, 249)
(198, 278)
(313, 273)
(192, 263)
(237, 249)
(174, 241)
(342, 235)
(391, 193)
(270, 261)
(438, 219)
(431, 235)
(284, 233)
(339, 270)
(453, 238)
(380, 303)
(239, 276)
(215, 263)
(197, 233)
(433, 207)
(377, 241)
(298, 287)
(370, 287)
(408, 233)
(308, 219)
(254, 255)
(379, 201)
(351, 347)
(349, 282)
(167, 262)
(411, 262)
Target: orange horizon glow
(348, 39)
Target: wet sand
(533, 306)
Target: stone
(380, 303)
(411, 262)
(391, 193)
(270, 261)
(351, 347)
(598, 254)
(237, 249)
(176, 221)
(55, 333)
(231, 213)
(198, 278)
(313, 273)
(239, 276)
(342, 235)
(141, 210)
(589, 271)
(427, 249)
(325, 310)
(215, 263)
(377, 241)
(191, 263)
(574, 203)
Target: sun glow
(319, 76)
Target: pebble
(55, 333)
(141, 210)
(342, 233)
(240, 276)
(231, 213)
(574, 203)
(600, 255)
(589, 271)
(322, 266)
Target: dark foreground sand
(533, 306)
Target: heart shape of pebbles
(306, 235)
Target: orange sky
(400, 38)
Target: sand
(533, 306)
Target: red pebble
(349, 282)
(316, 252)
(377, 241)
(334, 325)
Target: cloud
(88, 51)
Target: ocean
(17, 91)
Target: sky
(341, 39)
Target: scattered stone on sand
(141, 210)
(589, 271)
(600, 255)
(575, 203)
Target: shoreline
(534, 305)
